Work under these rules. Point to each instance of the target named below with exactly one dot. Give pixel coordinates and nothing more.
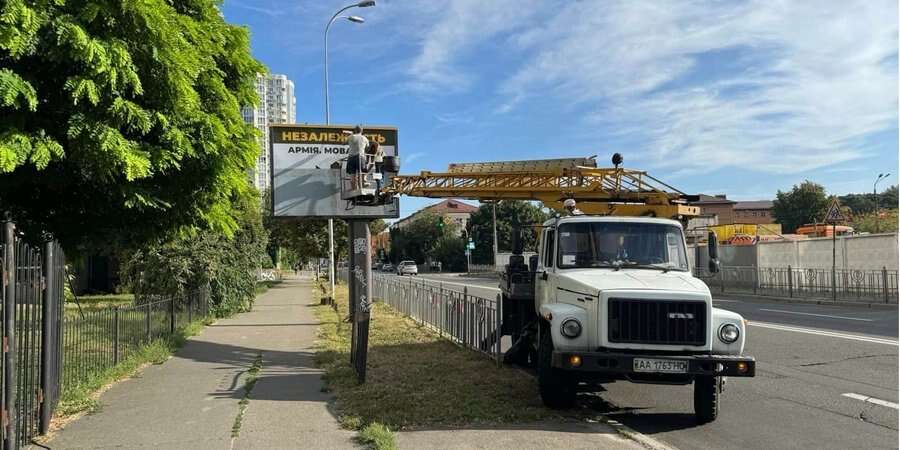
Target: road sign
(834, 214)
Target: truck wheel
(706, 398)
(556, 387)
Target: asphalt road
(826, 378)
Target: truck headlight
(729, 333)
(570, 328)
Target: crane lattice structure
(603, 191)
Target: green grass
(417, 379)
(97, 302)
(249, 383)
(377, 436)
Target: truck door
(544, 292)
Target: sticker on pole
(834, 214)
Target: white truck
(613, 298)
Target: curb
(640, 438)
(808, 301)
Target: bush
(205, 258)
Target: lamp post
(881, 176)
(354, 19)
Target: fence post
(9, 336)
(147, 320)
(191, 308)
(116, 335)
(499, 323)
(172, 316)
(47, 350)
(790, 275)
(722, 278)
(755, 279)
(884, 284)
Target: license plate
(660, 365)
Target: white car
(407, 268)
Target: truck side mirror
(713, 246)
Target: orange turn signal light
(575, 361)
(742, 367)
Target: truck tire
(556, 387)
(706, 398)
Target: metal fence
(846, 285)
(470, 321)
(96, 340)
(49, 347)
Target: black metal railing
(96, 340)
(48, 347)
(470, 321)
(873, 286)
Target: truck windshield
(621, 245)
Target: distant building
(718, 206)
(454, 211)
(277, 105)
(758, 212)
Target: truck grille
(666, 322)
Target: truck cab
(614, 299)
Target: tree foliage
(417, 240)
(865, 203)
(884, 222)
(121, 119)
(806, 203)
(509, 212)
(227, 265)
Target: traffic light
(440, 223)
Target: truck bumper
(623, 363)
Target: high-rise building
(277, 105)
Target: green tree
(509, 212)
(417, 240)
(121, 120)
(806, 203)
(226, 264)
(884, 222)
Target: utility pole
(881, 176)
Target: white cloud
(814, 80)
(781, 87)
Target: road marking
(716, 300)
(818, 332)
(817, 315)
(876, 401)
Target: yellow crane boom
(606, 191)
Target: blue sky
(736, 97)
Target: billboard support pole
(360, 277)
(331, 265)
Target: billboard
(306, 174)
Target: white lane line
(817, 315)
(818, 332)
(876, 401)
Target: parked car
(387, 267)
(407, 268)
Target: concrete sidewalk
(191, 401)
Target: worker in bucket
(569, 204)
(358, 145)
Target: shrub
(204, 258)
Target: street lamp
(881, 176)
(354, 19)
